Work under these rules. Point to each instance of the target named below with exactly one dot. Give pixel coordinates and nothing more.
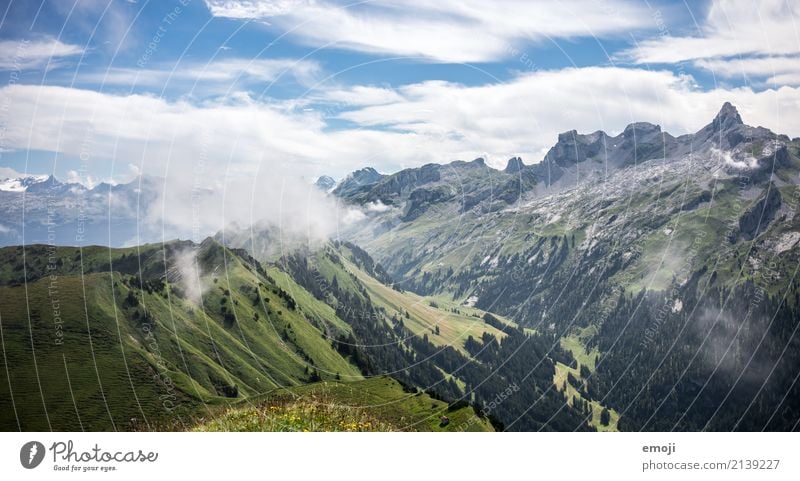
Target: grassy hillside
(128, 347)
(375, 404)
(155, 336)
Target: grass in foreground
(305, 415)
(374, 404)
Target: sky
(104, 90)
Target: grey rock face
(514, 165)
(757, 218)
(573, 148)
(407, 179)
(421, 199)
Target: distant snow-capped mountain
(21, 184)
(42, 209)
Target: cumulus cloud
(442, 31)
(524, 116)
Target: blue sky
(106, 89)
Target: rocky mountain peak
(364, 176)
(514, 165)
(358, 179)
(366, 173)
(325, 182)
(640, 128)
(573, 148)
(568, 136)
(727, 117)
(50, 183)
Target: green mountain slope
(156, 337)
(126, 347)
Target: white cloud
(190, 276)
(26, 54)
(758, 39)
(750, 66)
(779, 70)
(225, 161)
(746, 162)
(786, 78)
(442, 31)
(87, 180)
(358, 95)
(227, 74)
(731, 27)
(247, 9)
(378, 206)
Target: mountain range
(642, 281)
(42, 209)
(677, 252)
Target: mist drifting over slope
(197, 206)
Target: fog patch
(378, 206)
(197, 206)
(189, 275)
(351, 216)
(732, 342)
(742, 160)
